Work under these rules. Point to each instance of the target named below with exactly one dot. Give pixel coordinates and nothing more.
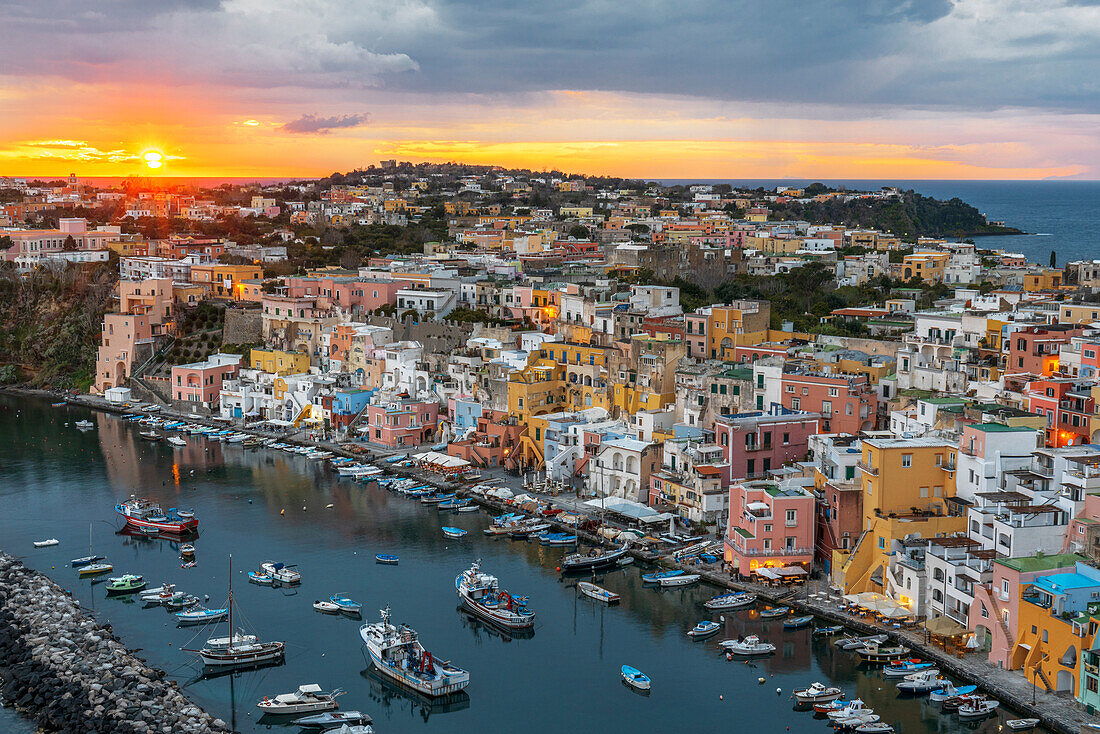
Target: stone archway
(120, 373)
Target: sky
(831, 89)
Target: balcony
(773, 552)
(867, 468)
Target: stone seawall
(68, 673)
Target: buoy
(303, 508)
(760, 680)
(250, 502)
(720, 697)
(778, 690)
(282, 511)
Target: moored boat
(854, 643)
(201, 616)
(480, 593)
(654, 578)
(774, 612)
(685, 580)
(1021, 724)
(93, 569)
(238, 649)
(817, 692)
(84, 425)
(46, 543)
(332, 719)
(398, 654)
(903, 668)
(977, 709)
(453, 532)
(326, 607)
(386, 559)
(950, 691)
(747, 646)
(732, 600)
(704, 629)
(925, 681)
(855, 707)
(878, 653)
(150, 436)
(126, 584)
(307, 699)
(281, 574)
(635, 678)
(145, 513)
(347, 606)
(595, 559)
(598, 593)
(796, 623)
(86, 560)
(828, 631)
(259, 578)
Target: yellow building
(575, 212)
(1044, 279)
(279, 362)
(728, 325)
(1073, 313)
(928, 267)
(537, 389)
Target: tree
(1053, 259)
(69, 245)
(578, 232)
(6, 242)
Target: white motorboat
(201, 616)
(733, 600)
(161, 593)
(93, 569)
(925, 681)
(597, 592)
(817, 692)
(84, 425)
(331, 719)
(176, 441)
(855, 708)
(326, 607)
(751, 645)
(46, 543)
(851, 722)
(1021, 724)
(480, 592)
(976, 709)
(280, 573)
(685, 580)
(397, 653)
(877, 727)
(306, 700)
(704, 629)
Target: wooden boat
(281, 574)
(733, 600)
(853, 643)
(655, 578)
(181, 601)
(187, 550)
(957, 702)
(160, 594)
(798, 622)
(950, 691)
(878, 653)
(453, 532)
(176, 441)
(851, 722)
(774, 612)
(46, 543)
(332, 719)
(126, 584)
(201, 616)
(86, 560)
(326, 607)
(260, 579)
(827, 706)
(925, 681)
(978, 708)
(817, 693)
(150, 436)
(557, 539)
(145, 513)
(854, 708)
(635, 678)
(877, 727)
(597, 592)
(386, 559)
(748, 646)
(307, 699)
(904, 668)
(704, 629)
(1021, 724)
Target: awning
(767, 573)
(944, 626)
(789, 571)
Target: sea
(258, 504)
(1063, 216)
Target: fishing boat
(126, 584)
(732, 600)
(46, 543)
(817, 693)
(956, 702)
(527, 529)
(748, 646)
(480, 593)
(201, 616)
(435, 499)
(86, 560)
(902, 668)
(181, 601)
(145, 513)
(94, 569)
(307, 699)
(923, 682)
(655, 578)
(879, 653)
(238, 649)
(84, 425)
(595, 559)
(686, 580)
(597, 592)
(950, 691)
(635, 678)
(470, 507)
(1021, 724)
(150, 436)
(326, 607)
(281, 574)
(332, 719)
(828, 631)
(176, 441)
(453, 532)
(386, 559)
(704, 629)
(796, 623)
(827, 706)
(774, 612)
(978, 709)
(346, 605)
(259, 578)
(398, 654)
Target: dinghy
(201, 616)
(635, 678)
(46, 543)
(453, 532)
(386, 559)
(598, 592)
(326, 607)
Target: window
(924, 491)
(939, 459)
(1090, 684)
(826, 408)
(792, 518)
(805, 391)
(767, 543)
(906, 460)
(796, 404)
(881, 542)
(833, 392)
(786, 438)
(790, 388)
(714, 389)
(985, 612)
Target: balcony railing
(771, 552)
(867, 468)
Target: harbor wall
(68, 673)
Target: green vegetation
(465, 315)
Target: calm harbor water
(56, 480)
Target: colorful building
(201, 382)
(770, 526)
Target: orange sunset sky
(936, 89)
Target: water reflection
(391, 696)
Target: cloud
(323, 125)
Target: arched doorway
(1064, 682)
(983, 639)
(120, 373)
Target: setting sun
(153, 158)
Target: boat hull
(432, 688)
(176, 528)
(505, 619)
(588, 563)
(224, 658)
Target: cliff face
(50, 323)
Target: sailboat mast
(230, 602)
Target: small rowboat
(201, 616)
(598, 592)
(828, 631)
(655, 578)
(326, 607)
(798, 622)
(704, 629)
(262, 579)
(775, 612)
(978, 708)
(46, 543)
(1020, 724)
(686, 580)
(386, 559)
(732, 600)
(187, 550)
(635, 678)
(453, 532)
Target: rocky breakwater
(68, 673)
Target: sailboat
(238, 648)
(90, 558)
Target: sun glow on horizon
(153, 159)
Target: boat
(774, 612)
(732, 600)
(527, 529)
(877, 727)
(150, 436)
(957, 702)
(261, 579)
(1021, 724)
(159, 594)
(86, 560)
(471, 507)
(126, 584)
(281, 574)
(879, 653)
(751, 645)
(307, 699)
(686, 580)
(46, 543)
(84, 425)
(398, 654)
(435, 499)
(903, 668)
(817, 693)
(480, 593)
(704, 629)
(326, 607)
(62, 404)
(238, 649)
(595, 559)
(851, 722)
(826, 707)
(854, 643)
(557, 539)
(332, 719)
(950, 691)
(93, 569)
(201, 616)
(855, 707)
(597, 592)
(828, 631)
(145, 513)
(978, 708)
(346, 605)
(796, 623)
(635, 678)
(386, 559)
(925, 681)
(181, 601)
(187, 550)
(176, 441)
(655, 578)
(453, 532)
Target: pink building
(755, 443)
(127, 339)
(847, 402)
(201, 382)
(356, 294)
(401, 422)
(771, 527)
(31, 245)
